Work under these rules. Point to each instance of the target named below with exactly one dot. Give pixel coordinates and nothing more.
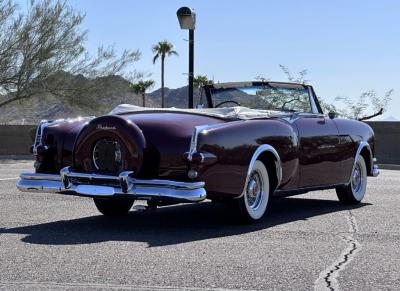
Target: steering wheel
(228, 101)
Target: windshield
(268, 97)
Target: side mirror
(332, 115)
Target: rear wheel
(354, 192)
(254, 201)
(113, 207)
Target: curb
(17, 157)
(389, 167)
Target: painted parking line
(5, 179)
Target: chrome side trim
(193, 142)
(296, 116)
(305, 189)
(372, 168)
(94, 185)
(278, 164)
(203, 129)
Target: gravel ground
(56, 242)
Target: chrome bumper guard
(375, 168)
(96, 185)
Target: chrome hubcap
(356, 179)
(254, 190)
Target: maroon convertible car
(244, 143)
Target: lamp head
(186, 17)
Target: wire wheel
(256, 196)
(358, 180)
(354, 192)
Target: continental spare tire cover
(109, 144)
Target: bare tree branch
(372, 115)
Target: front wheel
(254, 201)
(113, 207)
(354, 192)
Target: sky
(347, 47)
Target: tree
(47, 41)
(200, 81)
(141, 87)
(161, 50)
(300, 78)
(367, 106)
(261, 78)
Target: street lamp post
(187, 20)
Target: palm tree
(200, 81)
(163, 49)
(141, 87)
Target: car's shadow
(172, 225)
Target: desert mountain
(98, 101)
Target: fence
(387, 136)
(16, 139)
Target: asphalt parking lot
(55, 242)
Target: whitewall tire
(254, 201)
(354, 192)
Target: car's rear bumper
(95, 185)
(375, 168)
